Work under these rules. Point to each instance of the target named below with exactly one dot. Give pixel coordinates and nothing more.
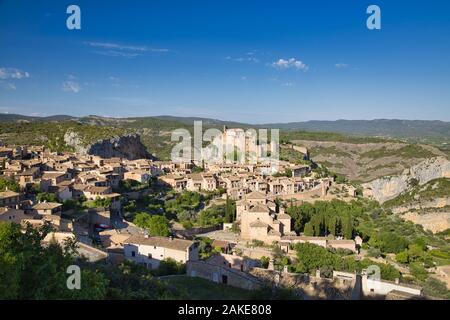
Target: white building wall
(371, 286)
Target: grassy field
(201, 289)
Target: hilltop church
(260, 220)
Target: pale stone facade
(259, 220)
(150, 251)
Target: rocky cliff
(387, 188)
(432, 221)
(128, 146)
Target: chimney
(271, 265)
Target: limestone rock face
(418, 205)
(387, 188)
(128, 146)
(433, 221)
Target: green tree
(309, 229)
(45, 196)
(402, 257)
(156, 225)
(170, 267)
(30, 270)
(9, 184)
(230, 209)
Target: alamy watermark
(374, 20)
(73, 22)
(74, 279)
(230, 146)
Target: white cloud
(288, 84)
(120, 50)
(114, 53)
(290, 63)
(71, 86)
(341, 65)
(248, 58)
(7, 85)
(13, 73)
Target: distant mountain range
(428, 131)
(393, 128)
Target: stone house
(9, 199)
(260, 221)
(201, 181)
(28, 176)
(48, 208)
(177, 182)
(12, 215)
(150, 251)
(140, 175)
(225, 269)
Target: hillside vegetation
(437, 188)
(366, 159)
(356, 157)
(51, 134)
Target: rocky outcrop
(128, 146)
(387, 188)
(417, 205)
(363, 162)
(433, 221)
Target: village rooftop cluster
(258, 216)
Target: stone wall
(218, 274)
(306, 286)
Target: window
(224, 279)
(149, 255)
(133, 254)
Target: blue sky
(251, 61)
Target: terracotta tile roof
(8, 194)
(52, 175)
(258, 224)
(255, 195)
(220, 243)
(274, 232)
(341, 242)
(259, 208)
(170, 243)
(46, 205)
(98, 189)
